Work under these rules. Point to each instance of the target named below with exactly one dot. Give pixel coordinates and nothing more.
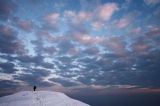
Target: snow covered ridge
(39, 98)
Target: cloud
(65, 46)
(40, 72)
(152, 2)
(118, 67)
(44, 44)
(46, 36)
(141, 47)
(116, 45)
(25, 25)
(153, 35)
(34, 76)
(77, 17)
(154, 31)
(7, 8)
(65, 60)
(30, 59)
(70, 47)
(65, 83)
(127, 19)
(84, 38)
(75, 20)
(52, 21)
(135, 30)
(97, 25)
(123, 22)
(52, 18)
(50, 50)
(39, 45)
(100, 14)
(8, 84)
(9, 41)
(91, 51)
(7, 68)
(105, 11)
(89, 5)
(34, 61)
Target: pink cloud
(6, 30)
(84, 39)
(69, 13)
(77, 17)
(73, 51)
(116, 44)
(46, 36)
(84, 16)
(87, 39)
(52, 21)
(101, 13)
(135, 30)
(52, 18)
(123, 22)
(97, 25)
(105, 11)
(26, 25)
(142, 48)
(153, 31)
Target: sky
(75, 44)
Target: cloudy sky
(80, 43)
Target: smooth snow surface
(39, 98)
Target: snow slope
(39, 98)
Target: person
(34, 88)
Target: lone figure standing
(34, 88)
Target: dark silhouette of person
(34, 88)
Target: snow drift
(39, 98)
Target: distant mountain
(39, 98)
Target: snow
(39, 98)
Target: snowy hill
(39, 98)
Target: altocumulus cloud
(77, 45)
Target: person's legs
(34, 88)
